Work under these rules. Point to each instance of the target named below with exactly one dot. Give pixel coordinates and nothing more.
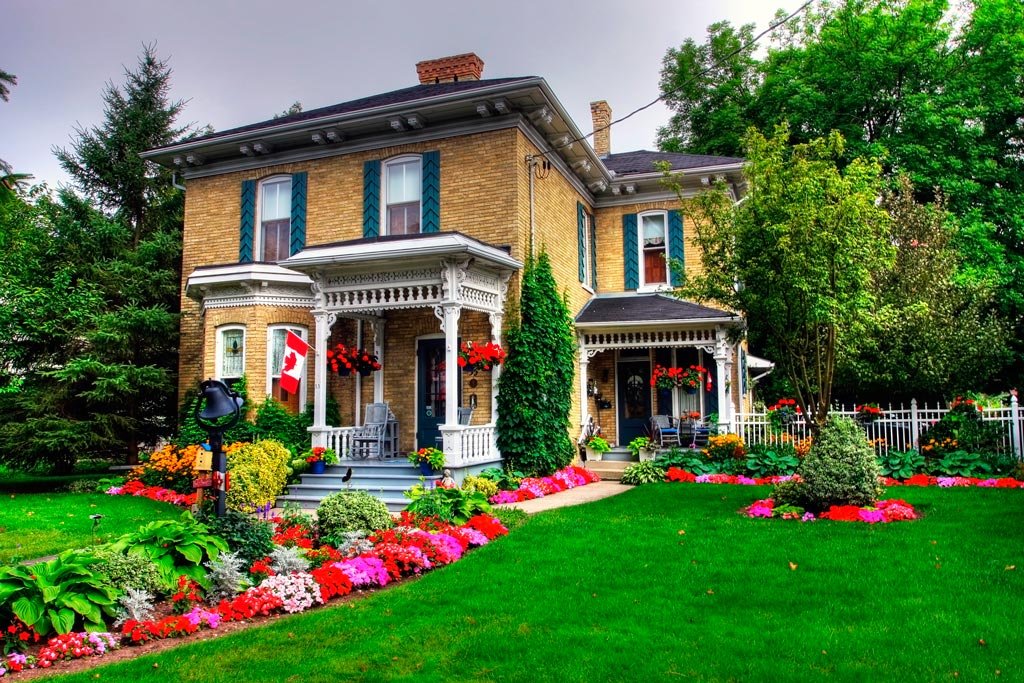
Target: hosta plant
(962, 464)
(177, 547)
(765, 460)
(901, 464)
(57, 595)
(451, 505)
(642, 473)
(685, 460)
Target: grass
(616, 591)
(37, 524)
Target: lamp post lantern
(218, 410)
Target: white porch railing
(467, 445)
(898, 429)
(340, 440)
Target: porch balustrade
(468, 445)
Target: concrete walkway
(574, 496)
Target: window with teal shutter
(581, 241)
(298, 232)
(629, 248)
(675, 242)
(246, 228)
(371, 199)
(593, 251)
(431, 192)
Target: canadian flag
(294, 361)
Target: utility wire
(659, 98)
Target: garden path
(573, 496)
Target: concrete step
(383, 479)
(312, 502)
(608, 470)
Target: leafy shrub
(840, 469)
(506, 479)
(58, 595)
(170, 467)
(274, 422)
(961, 429)
(259, 472)
(724, 447)
(287, 560)
(451, 505)
(790, 493)
(901, 464)
(227, 578)
(351, 511)
(685, 460)
(125, 572)
(646, 472)
(765, 460)
(484, 486)
(134, 605)
(512, 518)
(177, 547)
(246, 536)
(962, 464)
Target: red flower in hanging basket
(346, 359)
(480, 356)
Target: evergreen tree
(535, 389)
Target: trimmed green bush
(351, 511)
(484, 486)
(129, 571)
(259, 472)
(840, 469)
(247, 537)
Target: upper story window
(403, 190)
(230, 354)
(275, 218)
(275, 344)
(653, 245)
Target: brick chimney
(601, 113)
(467, 67)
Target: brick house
(398, 223)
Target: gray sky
(238, 62)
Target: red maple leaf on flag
(289, 362)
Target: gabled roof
(404, 95)
(643, 161)
(647, 308)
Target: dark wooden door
(634, 399)
(431, 392)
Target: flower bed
(680, 475)
(538, 487)
(137, 488)
(884, 511)
(946, 482)
(416, 546)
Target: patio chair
(370, 440)
(465, 417)
(665, 430)
(693, 435)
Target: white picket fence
(898, 429)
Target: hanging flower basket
(783, 413)
(475, 356)
(691, 379)
(345, 360)
(868, 413)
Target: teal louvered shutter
(631, 258)
(675, 243)
(248, 223)
(371, 199)
(581, 242)
(593, 251)
(431, 192)
(298, 213)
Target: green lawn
(36, 524)
(615, 591)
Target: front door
(431, 393)
(634, 380)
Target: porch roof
(648, 309)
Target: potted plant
(319, 457)
(783, 413)
(345, 360)
(597, 446)
(428, 459)
(642, 447)
(868, 413)
(474, 356)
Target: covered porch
(622, 339)
(405, 300)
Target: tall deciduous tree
(535, 388)
(796, 257)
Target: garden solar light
(218, 410)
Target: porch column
(584, 363)
(723, 368)
(496, 319)
(450, 430)
(324, 321)
(378, 350)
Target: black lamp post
(218, 410)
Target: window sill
(648, 289)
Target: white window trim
(303, 334)
(384, 188)
(219, 368)
(257, 239)
(588, 276)
(656, 286)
